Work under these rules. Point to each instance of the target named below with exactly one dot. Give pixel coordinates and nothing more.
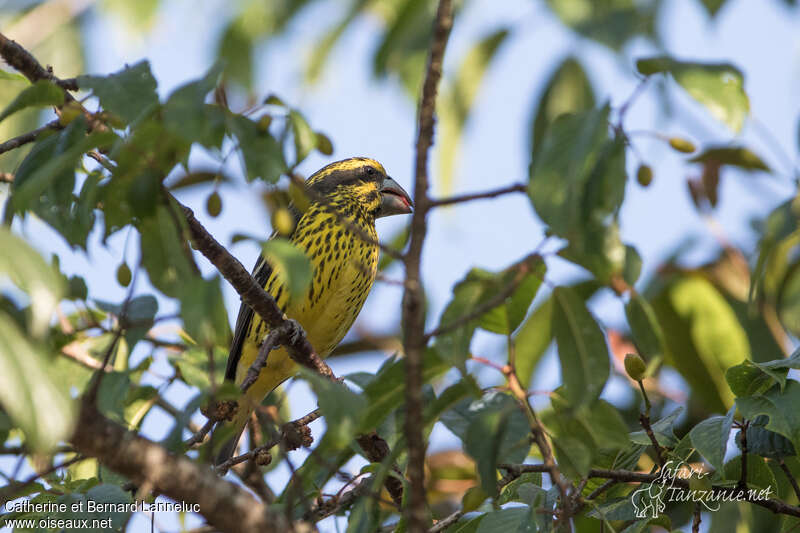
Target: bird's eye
(371, 171)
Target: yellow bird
(346, 194)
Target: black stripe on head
(347, 172)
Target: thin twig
(523, 268)
(446, 522)
(517, 187)
(790, 477)
(644, 420)
(26, 138)
(696, 519)
(414, 295)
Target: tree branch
(459, 199)
(414, 295)
(26, 138)
(225, 505)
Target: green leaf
(780, 225)
(750, 378)
(713, 6)
(203, 312)
(290, 264)
(501, 520)
(493, 430)
(735, 156)
(26, 269)
(532, 340)
(780, 407)
(582, 348)
(164, 252)
(260, 151)
(702, 336)
(43, 93)
(761, 441)
(386, 392)
(570, 151)
(193, 365)
(759, 475)
(645, 328)
(35, 400)
(710, 438)
(50, 166)
(129, 93)
(662, 429)
(235, 49)
(473, 292)
(568, 91)
(718, 86)
(611, 22)
(581, 434)
(305, 139)
(456, 100)
(342, 408)
(187, 116)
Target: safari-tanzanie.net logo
(673, 485)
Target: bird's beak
(394, 199)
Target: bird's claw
(295, 331)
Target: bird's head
(363, 181)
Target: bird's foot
(294, 331)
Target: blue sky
(375, 118)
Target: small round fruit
(635, 366)
(124, 274)
(644, 175)
(282, 221)
(682, 145)
(214, 204)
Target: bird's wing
(261, 273)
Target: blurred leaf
(163, 251)
(140, 14)
(323, 47)
(101, 495)
(663, 430)
(290, 264)
(342, 408)
(456, 101)
(42, 93)
(703, 337)
(713, 6)
(403, 49)
(580, 434)
(710, 438)
(582, 348)
(27, 270)
(532, 340)
(510, 492)
(761, 441)
(261, 152)
(386, 392)
(718, 86)
(35, 400)
(750, 378)
(567, 91)
(193, 366)
(203, 312)
(740, 157)
(610, 22)
(474, 291)
(128, 93)
(50, 166)
(235, 49)
(779, 406)
(305, 139)
(493, 430)
(759, 476)
(645, 328)
(187, 116)
(780, 224)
